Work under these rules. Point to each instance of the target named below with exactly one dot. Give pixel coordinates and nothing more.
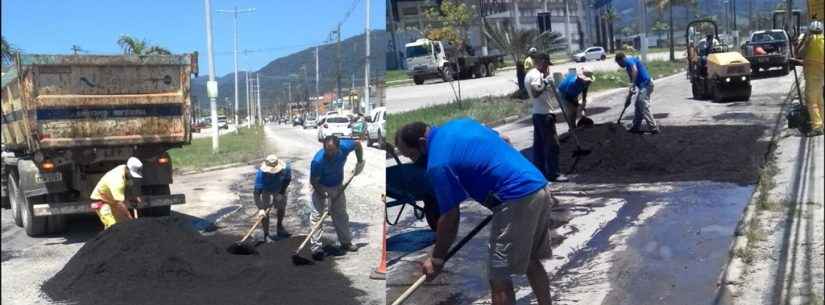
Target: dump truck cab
(67, 120)
(714, 72)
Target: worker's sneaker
(559, 178)
(349, 247)
(318, 255)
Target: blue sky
(280, 27)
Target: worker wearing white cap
(528, 62)
(575, 84)
(117, 187)
(812, 54)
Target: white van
(375, 129)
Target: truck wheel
(746, 95)
(15, 198)
(418, 80)
(695, 89)
(491, 69)
(604, 57)
(483, 71)
(161, 211)
(447, 74)
(786, 69)
(41, 225)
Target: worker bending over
(466, 160)
(271, 182)
(117, 188)
(573, 85)
(642, 86)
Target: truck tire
(491, 69)
(39, 225)
(697, 95)
(746, 94)
(447, 74)
(483, 71)
(786, 69)
(161, 211)
(418, 80)
(15, 198)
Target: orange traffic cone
(380, 272)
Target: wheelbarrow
(408, 184)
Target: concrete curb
(219, 167)
(732, 272)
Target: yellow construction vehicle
(714, 72)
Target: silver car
(591, 53)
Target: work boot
(282, 232)
(318, 255)
(348, 247)
(655, 131)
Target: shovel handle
(407, 293)
(252, 229)
(323, 216)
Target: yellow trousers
(109, 215)
(813, 97)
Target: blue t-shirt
(643, 78)
(571, 86)
(331, 172)
(274, 183)
(466, 158)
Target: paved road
(222, 197)
(641, 243)
(433, 92)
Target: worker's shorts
(520, 233)
(265, 200)
(108, 215)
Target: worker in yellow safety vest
(812, 54)
(117, 187)
(528, 62)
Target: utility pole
(567, 28)
(235, 13)
(258, 86)
(643, 29)
(317, 79)
(338, 60)
(211, 85)
(367, 64)
(248, 98)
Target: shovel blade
(297, 260)
(241, 249)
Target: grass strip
(248, 145)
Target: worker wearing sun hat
(271, 181)
(119, 186)
(574, 84)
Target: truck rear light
(47, 166)
(163, 160)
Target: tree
(659, 27)
(449, 22)
(8, 51)
(133, 46)
(609, 17)
(516, 43)
(660, 6)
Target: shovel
(241, 247)
(296, 258)
(407, 293)
(579, 152)
(626, 105)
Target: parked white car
(591, 53)
(375, 129)
(311, 122)
(335, 125)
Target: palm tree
(610, 16)
(660, 6)
(133, 46)
(8, 51)
(516, 43)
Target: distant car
(310, 122)
(335, 125)
(375, 129)
(591, 53)
(297, 122)
(222, 123)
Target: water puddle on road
(661, 248)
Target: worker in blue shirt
(467, 160)
(326, 176)
(271, 181)
(575, 84)
(643, 85)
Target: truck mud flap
(83, 207)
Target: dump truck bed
(56, 101)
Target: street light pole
(235, 13)
(367, 65)
(212, 86)
(643, 29)
(258, 92)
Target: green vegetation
(396, 75)
(487, 110)
(234, 148)
(618, 79)
(134, 46)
